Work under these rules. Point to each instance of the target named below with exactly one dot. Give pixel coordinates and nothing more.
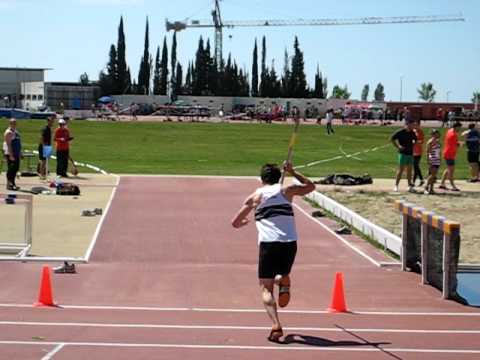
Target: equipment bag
(68, 189)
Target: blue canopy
(105, 100)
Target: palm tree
(476, 97)
(426, 92)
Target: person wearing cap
(62, 141)
(12, 150)
(403, 140)
(451, 145)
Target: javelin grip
(293, 140)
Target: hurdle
(430, 246)
(20, 249)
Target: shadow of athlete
(318, 341)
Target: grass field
(223, 148)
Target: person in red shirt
(418, 152)
(449, 154)
(62, 141)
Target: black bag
(68, 189)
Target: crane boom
(218, 24)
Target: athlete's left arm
(240, 219)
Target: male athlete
(277, 235)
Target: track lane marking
(228, 327)
(361, 348)
(247, 310)
(55, 350)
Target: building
(22, 87)
(70, 95)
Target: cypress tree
(164, 69)
(318, 89)
(123, 82)
(286, 91)
(108, 80)
(264, 73)
(145, 67)
(173, 64)
(179, 79)
(157, 74)
(299, 81)
(255, 71)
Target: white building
(22, 87)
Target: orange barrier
(45, 296)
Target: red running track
(170, 278)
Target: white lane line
(228, 327)
(360, 348)
(100, 223)
(247, 310)
(357, 250)
(50, 355)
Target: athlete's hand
(288, 167)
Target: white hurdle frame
(20, 249)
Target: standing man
(403, 140)
(277, 235)
(329, 117)
(450, 148)
(472, 141)
(62, 140)
(45, 140)
(12, 150)
(417, 153)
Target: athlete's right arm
(306, 185)
(240, 219)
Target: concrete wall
(32, 95)
(11, 80)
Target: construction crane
(218, 24)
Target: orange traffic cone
(338, 297)
(45, 297)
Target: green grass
(222, 149)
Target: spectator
(12, 150)
(472, 141)
(62, 140)
(44, 143)
(403, 140)
(417, 153)
(451, 118)
(434, 159)
(329, 118)
(449, 154)
(407, 116)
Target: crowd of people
(410, 142)
(12, 149)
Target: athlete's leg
(268, 299)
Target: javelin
(293, 138)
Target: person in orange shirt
(417, 153)
(449, 154)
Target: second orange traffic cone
(45, 296)
(338, 297)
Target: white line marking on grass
(247, 310)
(357, 250)
(57, 348)
(102, 219)
(361, 347)
(228, 327)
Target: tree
(84, 79)
(164, 68)
(173, 64)
(298, 78)
(285, 81)
(255, 70)
(157, 74)
(108, 79)
(476, 97)
(179, 79)
(123, 79)
(318, 89)
(379, 94)
(426, 92)
(200, 75)
(340, 93)
(145, 71)
(365, 91)
(264, 70)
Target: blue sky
(74, 36)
